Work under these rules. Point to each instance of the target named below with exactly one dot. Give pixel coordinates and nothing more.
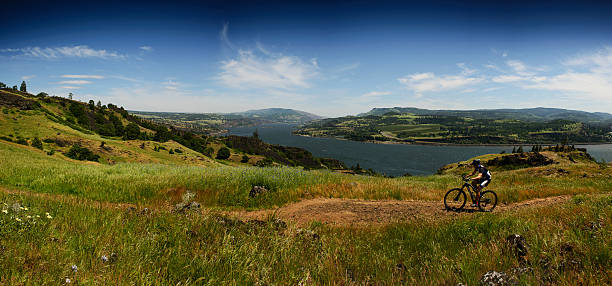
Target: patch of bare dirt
(359, 212)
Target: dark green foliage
(520, 149)
(208, 152)
(2, 85)
(14, 87)
(244, 159)
(48, 140)
(22, 141)
(78, 111)
(23, 87)
(42, 95)
(81, 153)
(132, 131)
(50, 152)
(178, 151)
(92, 105)
(223, 153)
(36, 143)
(171, 151)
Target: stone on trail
(494, 278)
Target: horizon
(328, 59)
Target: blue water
(389, 159)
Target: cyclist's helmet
(476, 162)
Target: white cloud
(75, 82)
(376, 93)
(81, 51)
(465, 70)
(251, 71)
(429, 82)
(88, 76)
(508, 78)
(146, 48)
(26, 77)
(70, 87)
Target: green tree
(23, 87)
(223, 153)
(132, 131)
(2, 85)
(520, 149)
(92, 104)
(99, 105)
(70, 95)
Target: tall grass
(168, 249)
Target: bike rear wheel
(455, 199)
(488, 201)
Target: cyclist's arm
(477, 177)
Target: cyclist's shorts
(483, 182)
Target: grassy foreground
(569, 245)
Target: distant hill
(527, 114)
(280, 115)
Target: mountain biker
(482, 180)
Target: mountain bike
(455, 199)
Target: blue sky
(324, 57)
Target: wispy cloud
(75, 82)
(70, 87)
(146, 48)
(83, 76)
(49, 53)
(249, 70)
(26, 77)
(429, 82)
(376, 93)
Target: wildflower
(5, 211)
(29, 217)
(68, 280)
(74, 268)
(17, 219)
(49, 216)
(104, 258)
(25, 209)
(37, 216)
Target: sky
(324, 57)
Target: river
(389, 159)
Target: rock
(494, 278)
(257, 190)
(519, 245)
(307, 233)
(183, 207)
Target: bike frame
(470, 188)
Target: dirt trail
(332, 211)
(359, 212)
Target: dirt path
(332, 211)
(359, 212)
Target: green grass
(167, 249)
(27, 169)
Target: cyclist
(482, 180)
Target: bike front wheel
(488, 201)
(455, 199)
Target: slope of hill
(216, 123)
(411, 125)
(108, 134)
(527, 114)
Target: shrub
(36, 143)
(245, 159)
(177, 150)
(22, 141)
(81, 153)
(223, 153)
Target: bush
(178, 151)
(81, 153)
(22, 141)
(245, 159)
(223, 153)
(36, 143)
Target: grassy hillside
(458, 128)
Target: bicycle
(455, 199)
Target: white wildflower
(49, 216)
(29, 217)
(37, 216)
(104, 258)
(68, 280)
(5, 211)
(25, 209)
(74, 268)
(17, 219)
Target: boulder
(257, 190)
(494, 278)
